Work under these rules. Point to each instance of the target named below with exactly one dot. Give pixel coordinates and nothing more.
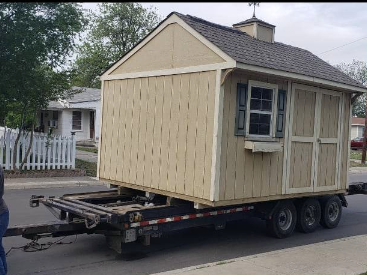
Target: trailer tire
(331, 211)
(308, 215)
(283, 220)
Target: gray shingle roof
(245, 49)
(88, 94)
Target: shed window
(260, 110)
(261, 106)
(77, 120)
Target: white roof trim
(296, 76)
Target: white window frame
(81, 121)
(274, 87)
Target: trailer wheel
(331, 211)
(283, 220)
(309, 215)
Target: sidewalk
(347, 256)
(86, 156)
(30, 183)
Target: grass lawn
(357, 164)
(88, 149)
(89, 167)
(356, 154)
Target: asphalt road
(90, 255)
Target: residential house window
(55, 115)
(260, 110)
(77, 120)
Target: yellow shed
(224, 115)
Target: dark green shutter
(240, 129)
(282, 96)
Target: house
(357, 128)
(79, 114)
(222, 115)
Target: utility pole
(364, 136)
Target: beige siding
(249, 29)
(264, 33)
(244, 174)
(173, 47)
(158, 132)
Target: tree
(114, 31)
(358, 71)
(36, 39)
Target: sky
(317, 27)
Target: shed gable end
(173, 47)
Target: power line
(344, 45)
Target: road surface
(90, 255)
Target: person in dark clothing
(4, 222)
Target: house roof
(87, 95)
(253, 20)
(279, 56)
(358, 121)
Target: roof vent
(257, 28)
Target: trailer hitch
(35, 201)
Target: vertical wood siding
(244, 174)
(158, 132)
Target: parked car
(356, 143)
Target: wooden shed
(224, 115)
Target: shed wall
(157, 133)
(173, 47)
(244, 174)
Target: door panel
(313, 147)
(300, 175)
(304, 113)
(301, 145)
(328, 144)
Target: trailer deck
(127, 215)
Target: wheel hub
(285, 219)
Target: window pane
(254, 118)
(266, 105)
(267, 94)
(254, 129)
(256, 92)
(255, 104)
(264, 119)
(264, 129)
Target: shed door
(312, 153)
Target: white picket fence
(57, 152)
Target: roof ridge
(201, 20)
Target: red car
(356, 143)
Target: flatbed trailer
(126, 215)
